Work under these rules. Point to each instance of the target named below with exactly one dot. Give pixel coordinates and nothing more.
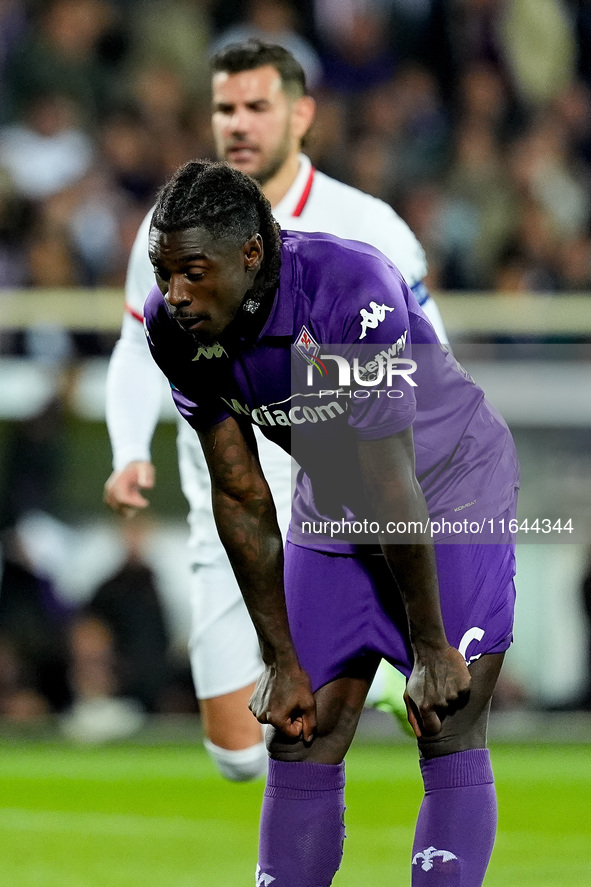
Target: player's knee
(239, 765)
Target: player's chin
(203, 336)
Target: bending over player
(406, 464)
(261, 114)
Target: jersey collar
(294, 201)
(281, 318)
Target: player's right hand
(284, 699)
(439, 683)
(123, 488)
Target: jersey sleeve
(373, 329)
(363, 317)
(134, 383)
(383, 400)
(139, 279)
(133, 399)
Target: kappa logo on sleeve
(372, 320)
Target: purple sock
(457, 821)
(302, 829)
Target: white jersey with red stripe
(315, 202)
(135, 385)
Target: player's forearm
(247, 524)
(133, 401)
(413, 566)
(250, 534)
(411, 559)
(395, 495)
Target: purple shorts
(344, 611)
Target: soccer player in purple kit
(260, 305)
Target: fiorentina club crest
(306, 345)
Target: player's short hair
(252, 54)
(226, 203)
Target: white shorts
(223, 645)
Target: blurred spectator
(33, 463)
(128, 603)
(582, 16)
(372, 165)
(512, 274)
(96, 226)
(175, 119)
(420, 135)
(539, 48)
(275, 21)
(13, 27)
(574, 263)
(572, 111)
(121, 665)
(536, 242)
(15, 219)
(47, 150)
(329, 133)
(62, 54)
(33, 680)
(410, 24)
(356, 54)
(130, 156)
(227, 13)
(483, 96)
(423, 208)
(472, 117)
(475, 35)
(172, 35)
(557, 179)
(52, 262)
(479, 190)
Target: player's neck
(277, 187)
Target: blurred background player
(261, 115)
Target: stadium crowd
(471, 117)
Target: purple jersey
(342, 304)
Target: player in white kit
(261, 113)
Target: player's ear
(253, 252)
(303, 112)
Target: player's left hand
(439, 683)
(123, 489)
(283, 698)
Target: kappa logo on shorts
(429, 855)
(263, 880)
(371, 320)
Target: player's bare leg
(233, 736)
(338, 708)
